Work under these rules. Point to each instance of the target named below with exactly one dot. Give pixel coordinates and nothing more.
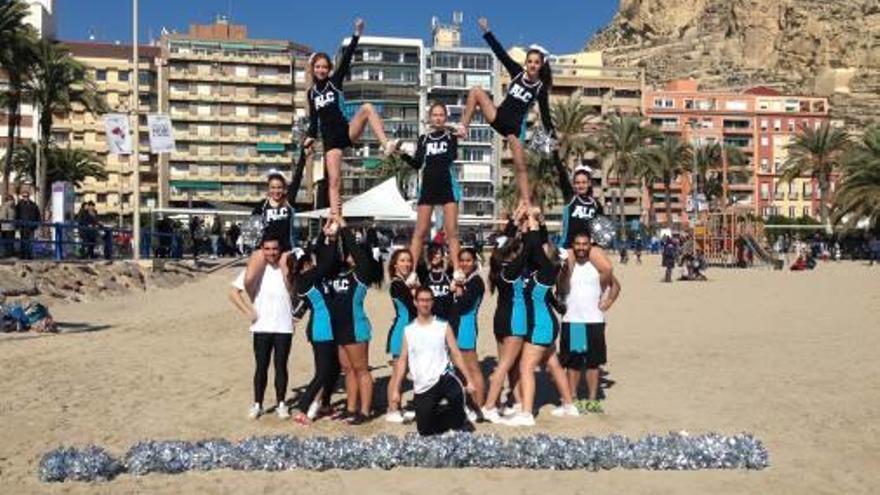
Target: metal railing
(70, 240)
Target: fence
(65, 241)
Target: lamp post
(135, 148)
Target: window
(689, 104)
(792, 191)
(792, 211)
(791, 126)
(145, 77)
(765, 191)
(765, 141)
(122, 76)
(736, 105)
(806, 211)
(808, 190)
(779, 191)
(777, 125)
(664, 103)
(101, 75)
(764, 124)
(102, 197)
(476, 62)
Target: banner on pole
(118, 137)
(161, 133)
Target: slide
(762, 254)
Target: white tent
(383, 202)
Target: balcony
(183, 75)
(255, 58)
(214, 97)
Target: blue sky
(562, 26)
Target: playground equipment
(731, 237)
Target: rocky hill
(823, 47)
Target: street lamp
(135, 148)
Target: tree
(669, 159)
(57, 83)
(858, 196)
(17, 56)
(817, 153)
(709, 158)
(394, 166)
(543, 180)
(647, 174)
(623, 137)
(570, 118)
(62, 164)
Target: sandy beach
(789, 357)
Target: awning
(195, 185)
(272, 48)
(372, 163)
(236, 46)
(271, 147)
(383, 202)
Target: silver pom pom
(542, 143)
(603, 231)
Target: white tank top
(426, 348)
(582, 302)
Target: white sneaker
(394, 417)
(566, 410)
(314, 409)
(521, 419)
(512, 410)
(255, 411)
(282, 411)
(491, 415)
(409, 415)
(471, 414)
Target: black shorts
(338, 140)
(347, 335)
(439, 187)
(506, 125)
(582, 345)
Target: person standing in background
(7, 226)
(27, 213)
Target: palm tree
(58, 81)
(709, 159)
(646, 173)
(670, 158)
(394, 166)
(62, 164)
(623, 137)
(543, 180)
(858, 196)
(17, 55)
(816, 152)
(570, 118)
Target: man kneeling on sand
(428, 344)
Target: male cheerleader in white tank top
(428, 345)
(582, 343)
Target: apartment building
(386, 72)
(760, 122)
(234, 102)
(451, 71)
(110, 67)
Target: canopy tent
(382, 202)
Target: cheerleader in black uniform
(435, 155)
(326, 102)
(403, 282)
(526, 86)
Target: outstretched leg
(478, 97)
(367, 114)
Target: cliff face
(823, 47)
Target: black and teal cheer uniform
(435, 156)
(347, 291)
(579, 210)
(404, 313)
(467, 307)
(326, 101)
(510, 118)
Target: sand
(790, 357)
